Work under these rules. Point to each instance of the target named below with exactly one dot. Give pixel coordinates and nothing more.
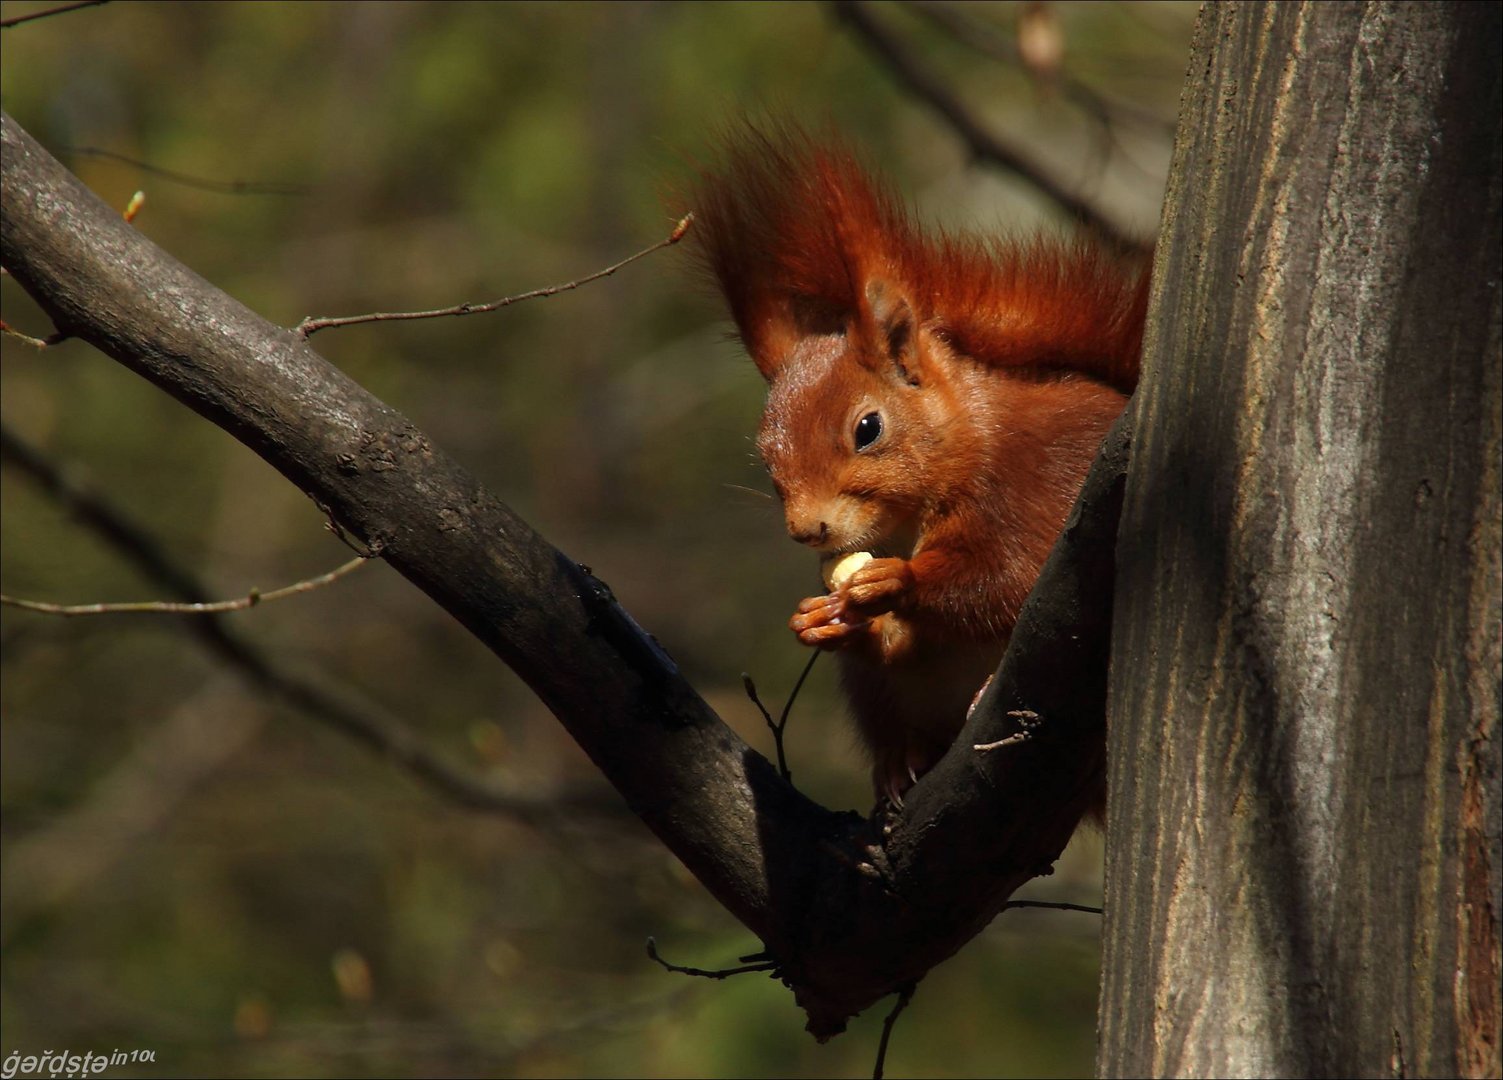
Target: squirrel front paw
(822, 622)
(877, 588)
(847, 613)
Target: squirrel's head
(856, 318)
(855, 418)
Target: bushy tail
(794, 229)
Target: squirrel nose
(811, 533)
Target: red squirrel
(934, 400)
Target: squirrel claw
(822, 622)
(823, 604)
(830, 636)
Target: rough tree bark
(1302, 867)
(848, 923)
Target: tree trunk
(1302, 872)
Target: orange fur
(933, 399)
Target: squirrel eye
(868, 430)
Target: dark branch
(905, 995)
(61, 9)
(983, 144)
(964, 27)
(851, 913)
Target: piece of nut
(838, 571)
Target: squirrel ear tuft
(790, 319)
(769, 344)
(891, 327)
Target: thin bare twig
(61, 9)
(983, 144)
(342, 710)
(905, 995)
(310, 326)
(704, 973)
(1055, 905)
(1000, 744)
(780, 725)
(223, 187)
(1028, 721)
(34, 342)
(168, 607)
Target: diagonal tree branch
(851, 915)
(60, 9)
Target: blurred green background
(191, 869)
